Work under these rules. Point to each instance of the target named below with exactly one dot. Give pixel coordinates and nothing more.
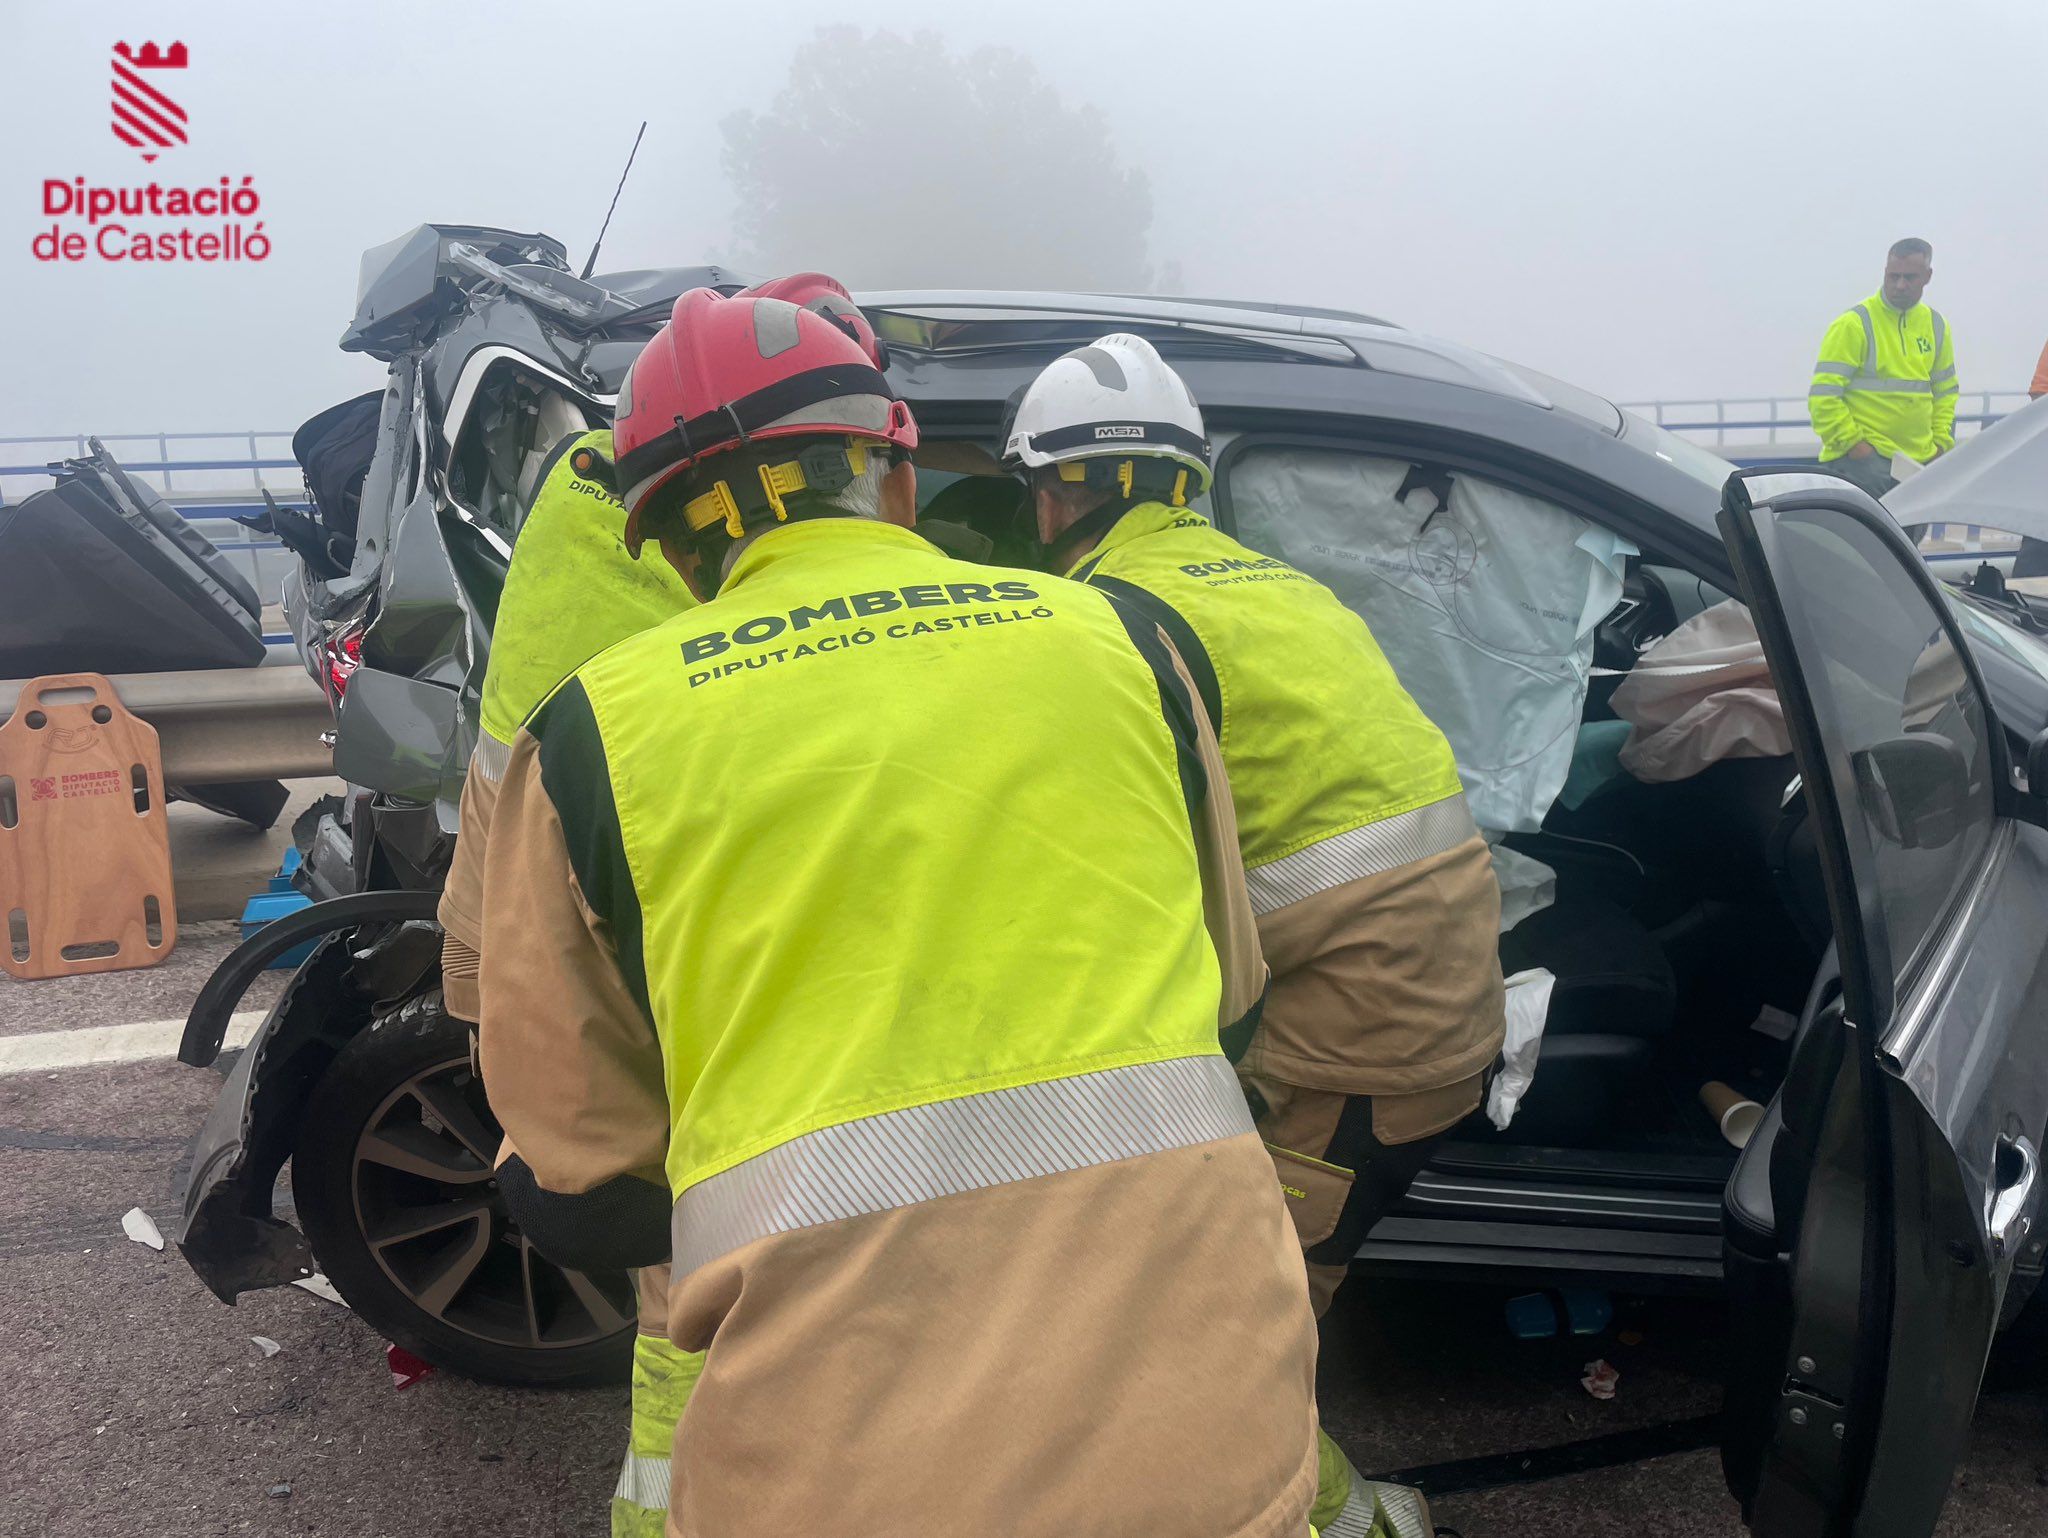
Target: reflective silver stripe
(1893, 386)
(1355, 1520)
(923, 1152)
(1366, 851)
(1833, 389)
(1403, 1509)
(1830, 366)
(1940, 334)
(1868, 368)
(1942, 374)
(1398, 1509)
(491, 757)
(644, 1482)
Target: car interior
(1688, 925)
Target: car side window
(1484, 598)
(1879, 660)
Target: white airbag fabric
(1528, 1006)
(1486, 607)
(1701, 694)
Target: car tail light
(343, 655)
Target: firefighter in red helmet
(569, 594)
(786, 983)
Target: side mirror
(1916, 788)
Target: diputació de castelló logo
(207, 221)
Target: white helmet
(1114, 400)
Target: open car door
(1896, 1182)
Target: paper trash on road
(406, 1369)
(265, 1344)
(320, 1287)
(139, 1226)
(1601, 1380)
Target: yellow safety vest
(827, 937)
(1335, 771)
(1887, 378)
(571, 591)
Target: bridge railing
(208, 477)
(1746, 421)
(247, 463)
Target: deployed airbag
(1484, 599)
(1701, 694)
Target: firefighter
(1376, 901)
(571, 592)
(788, 978)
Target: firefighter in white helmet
(1376, 902)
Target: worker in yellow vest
(800, 971)
(571, 592)
(1376, 901)
(1883, 398)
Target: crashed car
(1841, 920)
(496, 351)
(1980, 516)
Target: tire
(392, 1181)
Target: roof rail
(963, 320)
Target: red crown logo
(145, 118)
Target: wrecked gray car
(497, 351)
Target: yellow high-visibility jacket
(858, 925)
(1887, 378)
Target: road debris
(406, 1369)
(320, 1287)
(141, 1227)
(1602, 1379)
(280, 1492)
(265, 1344)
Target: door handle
(2014, 1164)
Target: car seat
(1614, 1001)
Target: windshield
(1702, 464)
(1985, 628)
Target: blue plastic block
(1538, 1315)
(1588, 1310)
(1531, 1316)
(265, 907)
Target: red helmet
(828, 296)
(729, 373)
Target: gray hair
(861, 498)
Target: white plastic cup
(1734, 1113)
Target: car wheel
(392, 1179)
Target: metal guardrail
(222, 725)
(253, 452)
(1773, 414)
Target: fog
(1650, 199)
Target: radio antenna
(592, 262)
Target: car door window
(1485, 599)
(1913, 727)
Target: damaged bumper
(229, 1232)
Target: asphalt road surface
(133, 1403)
